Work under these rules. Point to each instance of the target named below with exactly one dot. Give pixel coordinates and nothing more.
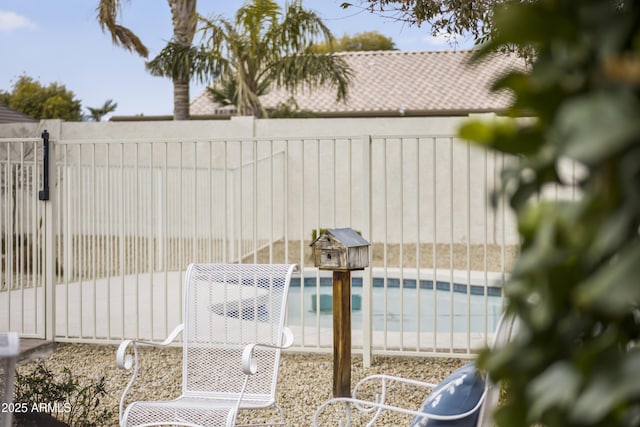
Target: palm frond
(107, 13)
(301, 28)
(96, 113)
(225, 90)
(216, 33)
(183, 62)
(258, 15)
(313, 71)
(213, 29)
(127, 39)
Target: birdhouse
(340, 249)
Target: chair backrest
(228, 306)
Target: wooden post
(341, 333)
(341, 250)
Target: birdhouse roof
(346, 236)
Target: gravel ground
(305, 379)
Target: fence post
(341, 333)
(367, 302)
(53, 130)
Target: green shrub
(69, 399)
(575, 287)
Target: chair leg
(280, 422)
(281, 414)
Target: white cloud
(442, 39)
(10, 21)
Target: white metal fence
(22, 233)
(127, 216)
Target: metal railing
(129, 215)
(22, 235)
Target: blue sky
(61, 41)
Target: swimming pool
(406, 304)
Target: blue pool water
(404, 308)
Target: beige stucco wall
(240, 127)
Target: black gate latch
(44, 193)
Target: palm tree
(265, 46)
(98, 112)
(174, 60)
(181, 63)
(225, 90)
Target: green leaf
(610, 235)
(609, 389)
(556, 387)
(531, 22)
(502, 134)
(598, 125)
(536, 94)
(477, 131)
(613, 288)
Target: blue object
(326, 303)
(460, 392)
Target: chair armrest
(376, 406)
(128, 361)
(385, 380)
(249, 365)
(367, 406)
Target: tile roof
(9, 115)
(402, 82)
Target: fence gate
(23, 236)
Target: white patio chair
(232, 336)
(9, 353)
(464, 398)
